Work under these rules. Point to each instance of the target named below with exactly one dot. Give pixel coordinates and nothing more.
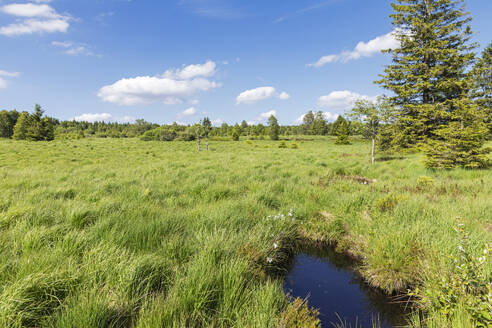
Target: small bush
(424, 182)
(294, 146)
(300, 315)
(466, 287)
(282, 145)
(387, 203)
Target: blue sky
(181, 60)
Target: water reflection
(338, 292)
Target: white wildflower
(275, 245)
(460, 248)
(269, 259)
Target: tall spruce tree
(21, 126)
(482, 85)
(430, 80)
(274, 130)
(342, 132)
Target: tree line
(35, 127)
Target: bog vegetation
(177, 237)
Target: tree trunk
(372, 151)
(207, 144)
(373, 144)
(198, 144)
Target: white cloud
(34, 18)
(73, 49)
(170, 88)
(328, 116)
(3, 82)
(262, 93)
(283, 96)
(188, 112)
(31, 26)
(89, 117)
(263, 117)
(126, 119)
(9, 74)
(103, 117)
(192, 71)
(363, 49)
(194, 101)
(341, 99)
(29, 10)
(217, 122)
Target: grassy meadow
(126, 233)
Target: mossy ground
(121, 232)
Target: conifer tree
(236, 132)
(21, 126)
(335, 125)
(342, 132)
(308, 121)
(482, 85)
(274, 130)
(430, 80)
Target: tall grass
(120, 233)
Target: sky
(181, 60)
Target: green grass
(126, 233)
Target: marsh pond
(343, 299)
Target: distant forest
(36, 127)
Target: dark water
(331, 286)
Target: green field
(126, 233)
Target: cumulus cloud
(283, 96)
(262, 93)
(3, 82)
(192, 71)
(33, 18)
(363, 49)
(30, 10)
(96, 117)
(328, 116)
(263, 117)
(103, 117)
(170, 88)
(341, 99)
(187, 112)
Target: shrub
(282, 145)
(299, 314)
(235, 135)
(294, 146)
(424, 182)
(466, 287)
(387, 203)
